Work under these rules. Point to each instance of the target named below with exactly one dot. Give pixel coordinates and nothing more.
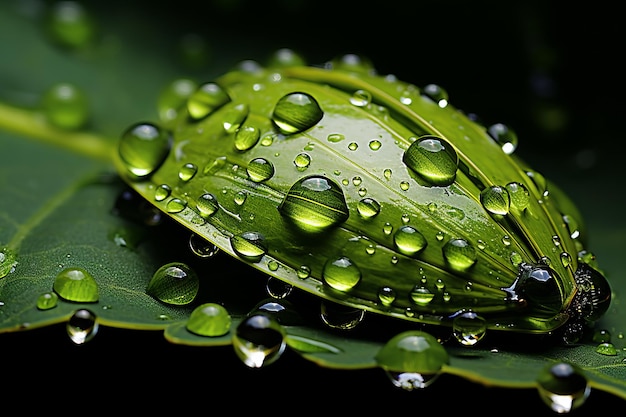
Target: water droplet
(335, 137)
(387, 296)
(174, 283)
(436, 94)
(519, 196)
(459, 254)
(259, 340)
(246, 137)
(304, 272)
(368, 207)
(285, 57)
(408, 240)
(338, 316)
(296, 112)
(70, 25)
(260, 169)
(207, 204)
(206, 99)
(468, 327)
(276, 288)
(495, 200)
(302, 161)
(173, 97)
(433, 159)
(601, 336)
(143, 147)
(607, 349)
(412, 359)
(234, 117)
(341, 274)
(202, 247)
(65, 106)
(563, 387)
(82, 326)
(361, 98)
(187, 172)
(315, 203)
(240, 197)
(209, 319)
(47, 300)
(76, 284)
(504, 136)
(421, 295)
(7, 261)
(161, 192)
(250, 246)
(387, 173)
(353, 146)
(572, 226)
(175, 205)
(539, 181)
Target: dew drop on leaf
(408, 240)
(70, 25)
(412, 359)
(315, 203)
(368, 207)
(65, 106)
(436, 94)
(174, 283)
(250, 246)
(259, 340)
(503, 136)
(161, 192)
(234, 116)
(8, 260)
(187, 171)
(338, 316)
(143, 147)
(433, 159)
(459, 254)
(468, 327)
(173, 97)
(260, 169)
(296, 112)
(82, 326)
(207, 204)
(421, 295)
(47, 300)
(519, 196)
(206, 99)
(209, 319)
(563, 387)
(495, 200)
(76, 284)
(341, 274)
(246, 137)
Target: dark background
(550, 70)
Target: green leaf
(64, 206)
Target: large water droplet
(412, 359)
(76, 284)
(250, 246)
(209, 319)
(433, 159)
(259, 340)
(143, 147)
(341, 274)
(174, 283)
(408, 240)
(314, 204)
(82, 326)
(206, 99)
(459, 254)
(468, 327)
(246, 137)
(296, 112)
(563, 387)
(260, 169)
(495, 200)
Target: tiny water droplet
(174, 283)
(209, 319)
(335, 137)
(386, 296)
(76, 284)
(433, 159)
(302, 161)
(82, 326)
(259, 340)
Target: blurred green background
(551, 71)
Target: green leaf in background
(63, 206)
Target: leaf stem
(32, 124)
